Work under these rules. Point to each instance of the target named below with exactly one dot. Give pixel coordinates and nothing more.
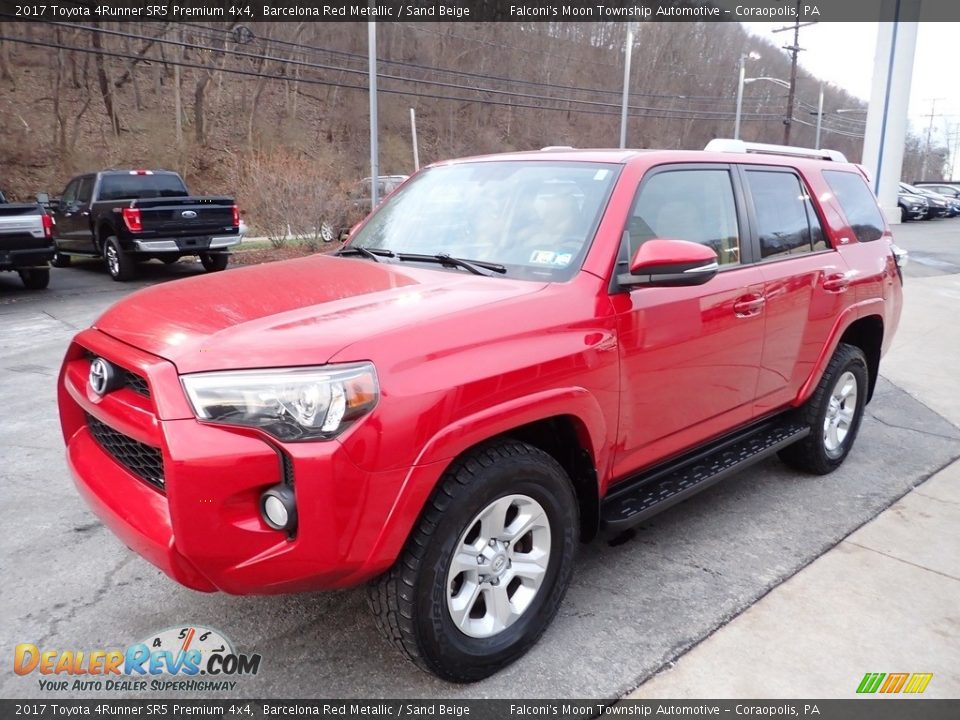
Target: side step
(634, 500)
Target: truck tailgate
(188, 216)
(21, 226)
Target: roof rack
(739, 146)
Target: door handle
(836, 282)
(749, 305)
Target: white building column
(886, 128)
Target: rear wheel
(834, 412)
(60, 260)
(120, 264)
(214, 262)
(486, 568)
(35, 278)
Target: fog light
(278, 507)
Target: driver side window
(696, 205)
(69, 196)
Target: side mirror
(670, 263)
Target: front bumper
(202, 525)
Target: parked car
(128, 216)
(912, 207)
(943, 187)
(938, 204)
(26, 242)
(513, 354)
(361, 195)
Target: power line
(647, 112)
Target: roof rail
(548, 148)
(739, 146)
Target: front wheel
(35, 278)
(485, 570)
(120, 264)
(214, 262)
(834, 412)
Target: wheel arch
(866, 333)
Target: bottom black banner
(859, 709)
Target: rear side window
(786, 221)
(858, 203)
(134, 187)
(695, 205)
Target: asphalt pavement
(634, 608)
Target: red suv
(511, 355)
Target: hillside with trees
(276, 113)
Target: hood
(296, 312)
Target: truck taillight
(236, 216)
(48, 227)
(131, 216)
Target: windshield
(535, 218)
(137, 187)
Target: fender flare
(456, 438)
(862, 309)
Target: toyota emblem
(102, 376)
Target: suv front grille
(136, 383)
(142, 460)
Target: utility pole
(926, 149)
(374, 139)
(628, 52)
(794, 50)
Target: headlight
(289, 403)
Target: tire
(120, 264)
(903, 215)
(415, 602)
(833, 413)
(60, 260)
(214, 262)
(35, 278)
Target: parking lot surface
(633, 607)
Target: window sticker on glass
(601, 174)
(563, 259)
(542, 257)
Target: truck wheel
(35, 278)
(119, 263)
(214, 262)
(60, 260)
(485, 569)
(833, 412)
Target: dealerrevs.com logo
(190, 658)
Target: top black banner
(242, 11)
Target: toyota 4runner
(512, 354)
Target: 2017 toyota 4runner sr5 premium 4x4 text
(510, 355)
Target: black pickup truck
(126, 216)
(26, 242)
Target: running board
(653, 491)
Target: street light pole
(374, 148)
(816, 143)
(743, 68)
(628, 52)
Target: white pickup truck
(26, 242)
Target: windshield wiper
(365, 252)
(477, 267)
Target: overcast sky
(843, 54)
